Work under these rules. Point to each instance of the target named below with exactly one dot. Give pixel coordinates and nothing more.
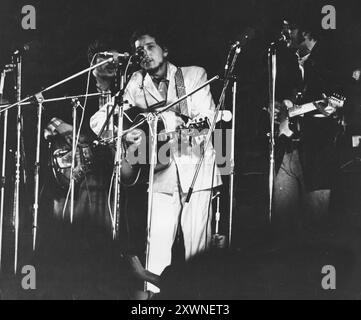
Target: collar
(164, 77)
(149, 86)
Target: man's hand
(278, 108)
(281, 110)
(282, 118)
(68, 136)
(133, 139)
(331, 105)
(179, 122)
(183, 136)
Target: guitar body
(132, 173)
(288, 126)
(60, 161)
(290, 122)
(139, 172)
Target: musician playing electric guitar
(306, 163)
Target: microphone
(235, 44)
(139, 54)
(285, 33)
(242, 38)
(115, 55)
(22, 49)
(33, 47)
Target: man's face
(356, 74)
(108, 70)
(297, 38)
(154, 54)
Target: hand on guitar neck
(134, 137)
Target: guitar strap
(182, 106)
(321, 109)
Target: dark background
(198, 33)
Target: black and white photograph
(191, 151)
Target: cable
(210, 202)
(109, 203)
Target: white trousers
(196, 226)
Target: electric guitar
(326, 107)
(60, 158)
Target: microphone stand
(213, 126)
(16, 203)
(19, 102)
(118, 103)
(272, 72)
(285, 37)
(40, 99)
(3, 166)
(118, 160)
(231, 175)
(75, 104)
(153, 123)
(58, 83)
(90, 95)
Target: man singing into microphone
(159, 80)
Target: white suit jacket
(143, 93)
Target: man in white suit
(159, 80)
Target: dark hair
(313, 30)
(106, 43)
(308, 23)
(149, 30)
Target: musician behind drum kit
(157, 81)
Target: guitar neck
(302, 109)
